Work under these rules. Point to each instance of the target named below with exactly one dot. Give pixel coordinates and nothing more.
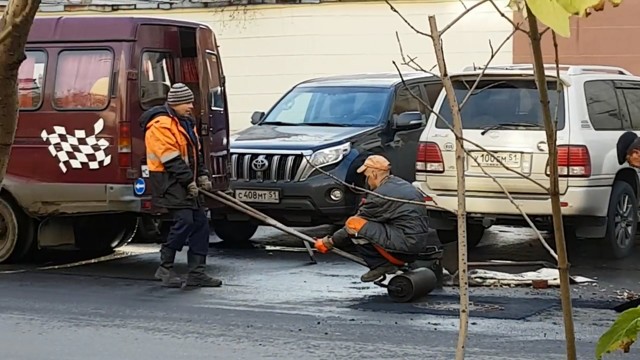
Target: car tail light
(124, 145)
(573, 161)
(429, 158)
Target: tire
(151, 231)
(97, 234)
(622, 221)
(17, 232)
(475, 232)
(234, 232)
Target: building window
(156, 78)
(31, 77)
(83, 80)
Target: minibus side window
(83, 80)
(156, 71)
(31, 77)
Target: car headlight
(325, 157)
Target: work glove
(324, 245)
(204, 183)
(192, 190)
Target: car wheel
(475, 232)
(234, 232)
(622, 220)
(17, 232)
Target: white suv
(599, 198)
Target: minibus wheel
(16, 232)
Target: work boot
(197, 276)
(165, 271)
(375, 274)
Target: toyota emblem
(260, 164)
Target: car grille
(271, 167)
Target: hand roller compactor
(412, 281)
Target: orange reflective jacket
(165, 140)
(174, 158)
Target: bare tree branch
(493, 55)
(524, 215)
(464, 13)
(490, 153)
(513, 24)
(406, 21)
(411, 61)
(362, 190)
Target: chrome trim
(269, 152)
(246, 167)
(274, 168)
(288, 168)
(234, 167)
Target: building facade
(268, 48)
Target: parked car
(78, 149)
(336, 122)
(595, 104)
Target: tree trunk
(554, 192)
(462, 212)
(14, 28)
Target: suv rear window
(502, 102)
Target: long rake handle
(307, 240)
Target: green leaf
(622, 334)
(556, 14)
(551, 14)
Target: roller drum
(411, 285)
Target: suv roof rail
(570, 69)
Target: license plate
(258, 196)
(512, 160)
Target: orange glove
(323, 245)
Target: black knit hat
(626, 142)
(179, 94)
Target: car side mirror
(409, 119)
(256, 117)
(215, 99)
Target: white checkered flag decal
(79, 148)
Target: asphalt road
(274, 305)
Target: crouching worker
(384, 232)
(176, 171)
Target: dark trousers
(192, 225)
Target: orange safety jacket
(174, 157)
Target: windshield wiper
(281, 123)
(326, 124)
(509, 125)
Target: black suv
(336, 122)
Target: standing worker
(176, 171)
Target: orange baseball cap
(375, 162)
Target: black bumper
(305, 203)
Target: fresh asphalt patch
(490, 307)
